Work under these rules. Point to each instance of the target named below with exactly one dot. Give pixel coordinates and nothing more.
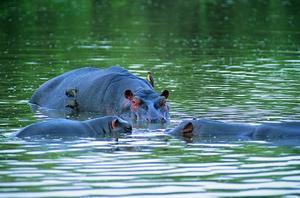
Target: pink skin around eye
(134, 105)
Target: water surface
(235, 61)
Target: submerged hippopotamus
(62, 128)
(211, 128)
(111, 91)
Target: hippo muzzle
(149, 106)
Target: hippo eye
(136, 101)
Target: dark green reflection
(198, 40)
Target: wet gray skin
(146, 105)
(111, 91)
(211, 128)
(62, 128)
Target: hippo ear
(165, 93)
(150, 79)
(187, 130)
(128, 94)
(114, 123)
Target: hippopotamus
(62, 128)
(110, 91)
(211, 128)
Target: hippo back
(284, 130)
(99, 90)
(56, 128)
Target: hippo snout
(156, 120)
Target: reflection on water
(225, 60)
(141, 165)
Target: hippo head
(147, 105)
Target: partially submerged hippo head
(147, 105)
(108, 126)
(212, 128)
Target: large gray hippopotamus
(62, 128)
(211, 128)
(111, 91)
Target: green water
(229, 60)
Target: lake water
(234, 61)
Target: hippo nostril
(156, 120)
